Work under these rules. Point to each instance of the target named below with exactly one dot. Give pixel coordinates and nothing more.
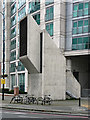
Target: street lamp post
(3, 65)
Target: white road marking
(6, 112)
(22, 116)
(17, 113)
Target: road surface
(27, 115)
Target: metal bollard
(79, 101)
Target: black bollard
(79, 101)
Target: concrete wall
(33, 43)
(54, 66)
(68, 42)
(7, 42)
(35, 84)
(59, 24)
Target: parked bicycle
(47, 99)
(28, 99)
(17, 99)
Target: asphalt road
(26, 115)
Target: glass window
(12, 67)
(13, 44)
(21, 3)
(49, 13)
(20, 66)
(80, 43)
(49, 28)
(85, 40)
(80, 40)
(21, 13)
(47, 2)
(80, 23)
(74, 24)
(74, 47)
(80, 6)
(12, 81)
(80, 47)
(13, 56)
(74, 41)
(86, 5)
(34, 6)
(85, 11)
(75, 8)
(85, 22)
(13, 32)
(74, 31)
(75, 14)
(37, 18)
(13, 9)
(21, 78)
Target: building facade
(67, 22)
(78, 41)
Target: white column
(68, 63)
(42, 14)
(26, 80)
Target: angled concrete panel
(54, 66)
(32, 47)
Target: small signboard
(2, 81)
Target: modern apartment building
(78, 41)
(67, 22)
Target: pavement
(57, 107)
